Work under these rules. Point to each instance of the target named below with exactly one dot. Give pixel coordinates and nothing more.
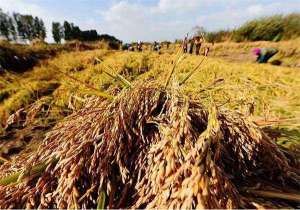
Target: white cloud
(21, 7)
(256, 9)
(177, 5)
(273, 8)
(235, 15)
(156, 20)
(159, 22)
(126, 13)
(170, 19)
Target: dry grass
(289, 51)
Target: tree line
(18, 26)
(27, 27)
(69, 31)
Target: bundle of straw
(152, 147)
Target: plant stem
(95, 90)
(101, 200)
(270, 194)
(3, 160)
(192, 72)
(172, 71)
(35, 170)
(117, 76)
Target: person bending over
(264, 54)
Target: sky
(149, 20)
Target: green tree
(39, 29)
(7, 28)
(57, 32)
(76, 32)
(19, 26)
(25, 26)
(29, 27)
(67, 31)
(28, 23)
(89, 35)
(42, 30)
(4, 31)
(12, 29)
(72, 32)
(198, 31)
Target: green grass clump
(269, 28)
(272, 28)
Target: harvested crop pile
(148, 148)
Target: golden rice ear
(151, 147)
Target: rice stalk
(101, 200)
(92, 89)
(18, 176)
(270, 194)
(192, 72)
(3, 160)
(173, 69)
(152, 148)
(117, 76)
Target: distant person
(264, 54)
(156, 46)
(140, 46)
(191, 46)
(131, 47)
(198, 43)
(185, 45)
(206, 51)
(168, 45)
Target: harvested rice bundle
(151, 148)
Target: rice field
(77, 119)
